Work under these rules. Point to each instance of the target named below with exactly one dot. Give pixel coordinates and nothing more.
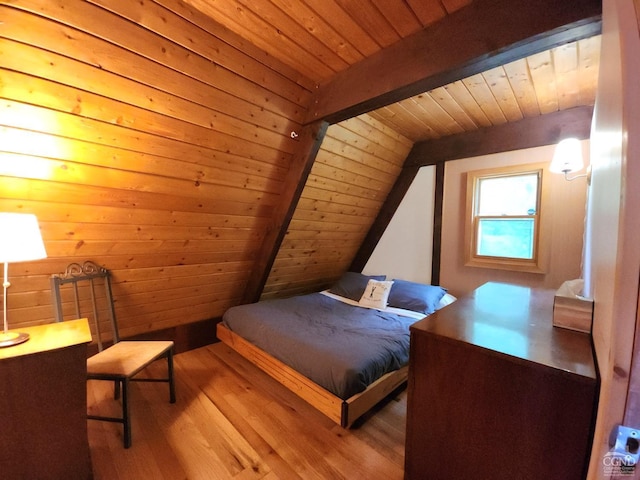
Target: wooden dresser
(495, 391)
(43, 404)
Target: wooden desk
(495, 391)
(43, 404)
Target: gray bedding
(341, 347)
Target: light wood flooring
(233, 421)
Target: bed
(341, 350)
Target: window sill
(505, 264)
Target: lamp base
(8, 339)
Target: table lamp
(20, 241)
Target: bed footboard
(340, 411)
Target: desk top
(51, 336)
(516, 321)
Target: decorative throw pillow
(417, 297)
(352, 285)
(376, 294)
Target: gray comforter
(341, 347)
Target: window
(504, 218)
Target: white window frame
(539, 262)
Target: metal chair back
(82, 281)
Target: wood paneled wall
(354, 171)
(149, 139)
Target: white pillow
(376, 294)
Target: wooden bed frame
(343, 412)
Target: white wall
(405, 249)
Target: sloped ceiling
(320, 38)
(557, 79)
(206, 158)
(326, 40)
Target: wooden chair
(121, 361)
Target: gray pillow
(351, 285)
(417, 297)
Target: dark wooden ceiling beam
(483, 35)
(310, 139)
(528, 133)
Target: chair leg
(125, 413)
(172, 387)
(116, 389)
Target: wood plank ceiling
(320, 38)
(557, 79)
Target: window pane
(508, 237)
(508, 195)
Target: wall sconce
(568, 159)
(20, 241)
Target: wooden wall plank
(400, 16)
(439, 115)
(427, 12)
(195, 109)
(217, 30)
(144, 53)
(310, 139)
(566, 68)
(483, 96)
(160, 144)
(353, 34)
(25, 188)
(589, 54)
(346, 189)
(320, 28)
(67, 172)
(321, 37)
(238, 61)
(260, 33)
(146, 143)
(373, 21)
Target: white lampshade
(567, 157)
(20, 241)
(20, 238)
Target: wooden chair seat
(126, 358)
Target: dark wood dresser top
(516, 321)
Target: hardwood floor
(233, 421)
